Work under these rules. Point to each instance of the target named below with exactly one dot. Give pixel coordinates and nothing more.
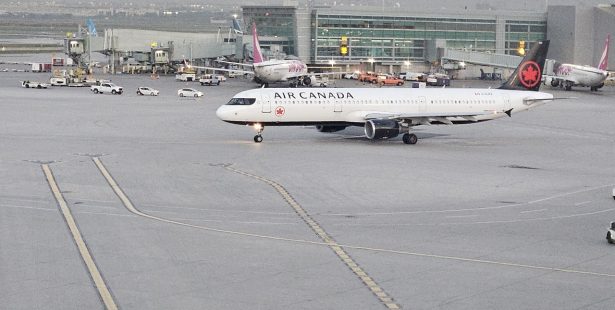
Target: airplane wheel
(410, 138)
(568, 86)
(258, 138)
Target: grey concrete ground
(508, 214)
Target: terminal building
(394, 39)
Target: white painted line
(103, 291)
(578, 204)
(533, 211)
(461, 216)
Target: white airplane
(568, 75)
(290, 70)
(387, 112)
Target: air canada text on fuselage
(313, 95)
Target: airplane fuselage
(581, 75)
(272, 71)
(351, 106)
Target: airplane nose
(222, 113)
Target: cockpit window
(241, 101)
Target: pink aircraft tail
(256, 54)
(604, 59)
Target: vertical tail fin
(604, 59)
(257, 55)
(528, 74)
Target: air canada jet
(290, 70)
(388, 112)
(568, 75)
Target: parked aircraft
(387, 112)
(293, 71)
(568, 75)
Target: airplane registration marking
(95, 275)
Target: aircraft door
(422, 104)
(266, 108)
(507, 104)
(337, 106)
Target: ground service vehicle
(109, 88)
(610, 234)
(31, 84)
(209, 79)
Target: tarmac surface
(176, 209)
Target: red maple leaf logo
(529, 74)
(279, 111)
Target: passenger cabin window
(242, 101)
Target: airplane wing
(327, 73)
(422, 118)
(223, 69)
(235, 63)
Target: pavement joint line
(322, 234)
(95, 275)
(128, 205)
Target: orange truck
(391, 80)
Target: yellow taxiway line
(103, 291)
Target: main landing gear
(410, 138)
(258, 138)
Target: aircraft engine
(381, 129)
(324, 128)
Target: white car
(146, 91)
(351, 76)
(610, 234)
(189, 92)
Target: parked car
(351, 76)
(610, 234)
(391, 80)
(374, 78)
(146, 91)
(438, 80)
(364, 75)
(189, 92)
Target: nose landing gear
(258, 138)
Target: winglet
(508, 112)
